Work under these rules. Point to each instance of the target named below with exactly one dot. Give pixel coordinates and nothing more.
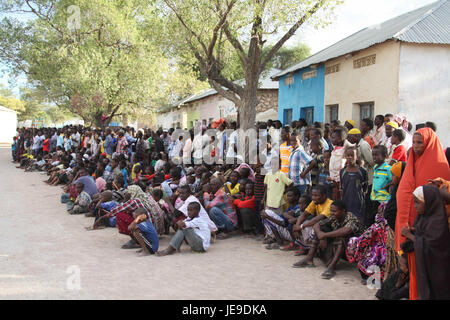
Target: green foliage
(93, 57)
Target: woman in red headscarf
(426, 161)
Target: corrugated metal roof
(265, 79)
(428, 24)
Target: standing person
(354, 184)
(366, 129)
(390, 127)
(364, 151)
(382, 178)
(285, 150)
(122, 144)
(378, 132)
(298, 162)
(398, 150)
(426, 161)
(109, 144)
(337, 160)
(431, 237)
(349, 124)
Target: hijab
(432, 246)
(419, 169)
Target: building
(8, 125)
(209, 105)
(398, 66)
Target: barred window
(309, 74)
(364, 61)
(332, 69)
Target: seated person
(144, 232)
(276, 226)
(290, 219)
(331, 236)
(232, 186)
(194, 230)
(220, 208)
(249, 221)
(104, 204)
(81, 202)
(317, 210)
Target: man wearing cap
(349, 124)
(364, 152)
(390, 127)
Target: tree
(94, 58)
(209, 28)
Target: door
(287, 119)
(307, 114)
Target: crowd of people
(376, 196)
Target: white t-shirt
(203, 213)
(200, 226)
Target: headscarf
(419, 169)
(252, 173)
(398, 168)
(418, 193)
(400, 118)
(431, 247)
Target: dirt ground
(46, 253)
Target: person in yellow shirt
(275, 183)
(232, 186)
(318, 209)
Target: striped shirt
(381, 177)
(222, 202)
(298, 162)
(285, 154)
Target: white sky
(351, 17)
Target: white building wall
(424, 82)
(164, 120)
(8, 126)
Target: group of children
(330, 192)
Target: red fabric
(370, 141)
(431, 164)
(46, 145)
(124, 219)
(400, 153)
(246, 203)
(167, 177)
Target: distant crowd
(376, 195)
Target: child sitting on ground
(144, 232)
(194, 229)
(81, 202)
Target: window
(332, 113)
(287, 116)
(307, 114)
(366, 110)
(289, 80)
(364, 61)
(309, 74)
(332, 69)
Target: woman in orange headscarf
(426, 161)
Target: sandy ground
(44, 249)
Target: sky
(353, 16)
(350, 17)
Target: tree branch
(291, 32)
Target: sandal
(131, 245)
(304, 264)
(290, 247)
(328, 274)
(300, 252)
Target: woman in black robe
(431, 245)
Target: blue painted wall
(302, 94)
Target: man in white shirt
(194, 229)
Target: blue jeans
(220, 219)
